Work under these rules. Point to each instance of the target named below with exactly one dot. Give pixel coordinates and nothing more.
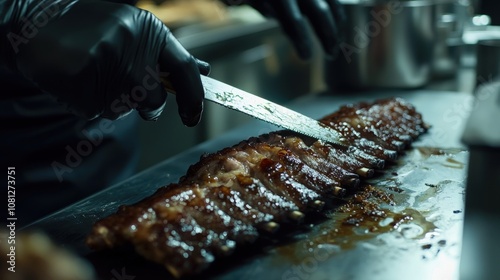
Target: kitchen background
(250, 52)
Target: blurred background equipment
(388, 44)
(178, 13)
(425, 44)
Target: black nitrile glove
(100, 58)
(325, 16)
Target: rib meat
(235, 195)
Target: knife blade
(263, 109)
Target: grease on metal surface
(362, 218)
(452, 163)
(427, 152)
(383, 207)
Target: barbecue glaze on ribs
(234, 195)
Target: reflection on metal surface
(454, 163)
(361, 219)
(388, 44)
(409, 210)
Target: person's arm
(101, 59)
(325, 16)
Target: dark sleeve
(7, 10)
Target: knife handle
(168, 85)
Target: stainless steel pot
(388, 44)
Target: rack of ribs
(234, 196)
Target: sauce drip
(365, 215)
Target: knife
(260, 108)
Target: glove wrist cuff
(21, 20)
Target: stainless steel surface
(482, 216)
(262, 109)
(388, 44)
(482, 126)
(433, 187)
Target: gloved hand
(325, 16)
(100, 58)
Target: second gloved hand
(103, 59)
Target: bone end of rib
(365, 172)
(226, 250)
(270, 227)
(174, 271)
(296, 216)
(318, 204)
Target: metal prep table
(433, 185)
